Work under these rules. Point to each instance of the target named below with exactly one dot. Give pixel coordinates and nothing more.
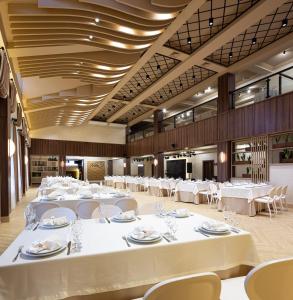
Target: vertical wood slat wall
(274, 115)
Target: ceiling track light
(138, 84)
(231, 54)
(189, 40)
(253, 41)
(285, 22)
(147, 76)
(158, 67)
(284, 52)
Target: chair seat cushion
(233, 289)
(264, 199)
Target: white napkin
(44, 246)
(144, 232)
(56, 193)
(182, 212)
(127, 215)
(55, 221)
(215, 226)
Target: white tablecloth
(187, 191)
(249, 192)
(71, 201)
(105, 263)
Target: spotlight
(285, 22)
(138, 84)
(164, 110)
(147, 76)
(211, 22)
(170, 92)
(97, 20)
(284, 52)
(181, 84)
(91, 37)
(253, 41)
(158, 67)
(189, 40)
(131, 91)
(230, 54)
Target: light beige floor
(274, 239)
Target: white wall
(282, 174)
(84, 133)
(197, 163)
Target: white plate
(213, 232)
(174, 214)
(85, 197)
(144, 241)
(47, 199)
(225, 228)
(48, 226)
(155, 236)
(63, 245)
(120, 220)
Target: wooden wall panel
(267, 117)
(55, 147)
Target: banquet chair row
(85, 209)
(213, 194)
(275, 198)
(268, 281)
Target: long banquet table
(240, 198)
(71, 200)
(188, 191)
(106, 264)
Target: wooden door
(207, 169)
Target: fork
(126, 240)
(18, 252)
(197, 230)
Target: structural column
(110, 168)
(62, 165)
(127, 170)
(5, 206)
(226, 85)
(159, 157)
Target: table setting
(150, 243)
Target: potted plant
(247, 175)
(290, 140)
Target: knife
(165, 238)
(36, 226)
(68, 247)
(107, 219)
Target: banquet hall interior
(146, 149)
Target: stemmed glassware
(30, 216)
(172, 227)
(76, 231)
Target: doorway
(75, 168)
(208, 169)
(140, 170)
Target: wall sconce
(222, 157)
(62, 164)
(124, 165)
(11, 148)
(155, 162)
(26, 160)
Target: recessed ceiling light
(97, 20)
(285, 22)
(91, 37)
(253, 41)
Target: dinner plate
(48, 226)
(174, 214)
(214, 232)
(85, 197)
(63, 245)
(144, 241)
(48, 199)
(120, 220)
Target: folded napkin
(127, 215)
(44, 246)
(55, 221)
(144, 232)
(215, 226)
(56, 193)
(182, 212)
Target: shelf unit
(43, 166)
(281, 148)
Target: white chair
(127, 204)
(268, 281)
(41, 208)
(106, 211)
(60, 212)
(283, 196)
(85, 208)
(215, 195)
(268, 201)
(207, 194)
(202, 286)
(278, 198)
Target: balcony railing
(273, 85)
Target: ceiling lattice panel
(108, 110)
(132, 114)
(196, 31)
(185, 81)
(268, 30)
(155, 68)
